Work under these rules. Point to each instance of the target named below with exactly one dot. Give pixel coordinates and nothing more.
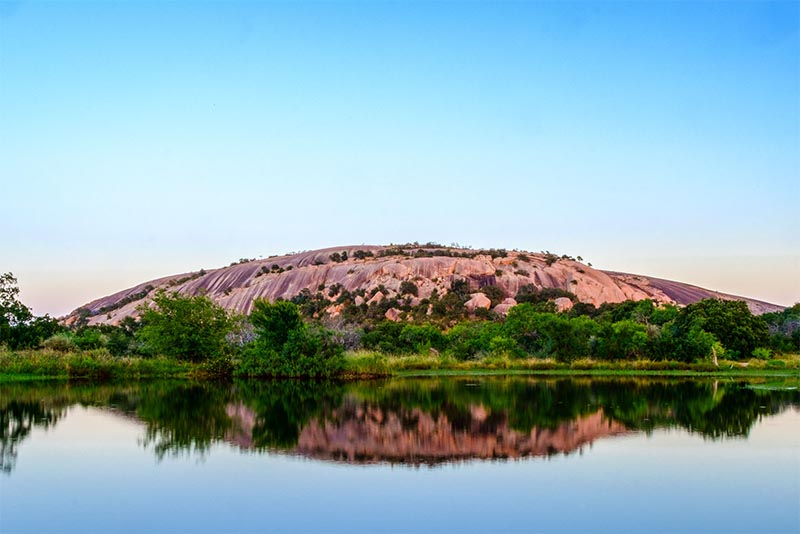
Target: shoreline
(100, 366)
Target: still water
(515, 454)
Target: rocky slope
(380, 271)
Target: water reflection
(411, 421)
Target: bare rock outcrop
(380, 271)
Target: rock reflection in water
(368, 434)
(408, 421)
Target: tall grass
(368, 363)
(91, 364)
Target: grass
(100, 365)
(367, 363)
(93, 364)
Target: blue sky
(141, 139)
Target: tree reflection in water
(417, 421)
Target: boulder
(376, 298)
(562, 304)
(334, 310)
(393, 314)
(502, 309)
(478, 300)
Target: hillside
(375, 273)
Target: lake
(466, 454)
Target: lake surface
(472, 454)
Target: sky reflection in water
(401, 455)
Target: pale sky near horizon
(141, 139)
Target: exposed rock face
(235, 287)
(392, 314)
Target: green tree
(407, 287)
(549, 334)
(624, 339)
(274, 321)
(495, 293)
(730, 321)
(184, 327)
(285, 346)
(19, 329)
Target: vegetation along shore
(178, 335)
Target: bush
(218, 366)
(415, 338)
(308, 353)
(531, 294)
(762, 353)
(495, 293)
(407, 287)
(60, 343)
(185, 328)
(548, 334)
(384, 337)
(473, 340)
(286, 347)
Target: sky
(141, 139)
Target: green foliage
(624, 339)
(460, 288)
(762, 353)
(12, 311)
(495, 293)
(784, 329)
(60, 343)
(448, 308)
(184, 327)
(19, 329)
(287, 347)
(220, 366)
(97, 364)
(407, 287)
(398, 338)
(473, 339)
(385, 337)
(421, 338)
(730, 321)
(530, 293)
(274, 321)
(362, 254)
(90, 338)
(549, 334)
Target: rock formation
(380, 271)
